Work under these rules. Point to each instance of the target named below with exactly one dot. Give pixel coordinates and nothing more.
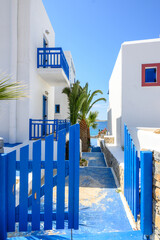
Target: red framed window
(151, 74)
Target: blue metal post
(146, 192)
(3, 197)
(30, 129)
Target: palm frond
(11, 90)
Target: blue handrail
(53, 58)
(39, 128)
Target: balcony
(52, 66)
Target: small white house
(134, 88)
(28, 53)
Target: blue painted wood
(11, 183)
(76, 175)
(60, 180)
(54, 181)
(39, 128)
(71, 179)
(44, 54)
(36, 184)
(48, 187)
(42, 216)
(3, 196)
(30, 165)
(30, 129)
(146, 192)
(125, 160)
(23, 197)
(73, 217)
(131, 173)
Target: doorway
(45, 113)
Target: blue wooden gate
(26, 209)
(138, 182)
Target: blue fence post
(57, 129)
(146, 192)
(74, 155)
(30, 129)
(3, 196)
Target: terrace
(52, 66)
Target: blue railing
(53, 209)
(39, 128)
(138, 182)
(53, 58)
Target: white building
(61, 110)
(134, 88)
(28, 53)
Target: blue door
(45, 113)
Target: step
(96, 177)
(135, 235)
(92, 154)
(100, 162)
(96, 149)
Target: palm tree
(86, 107)
(91, 122)
(10, 90)
(76, 97)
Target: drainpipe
(13, 67)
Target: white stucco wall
(24, 19)
(129, 102)
(115, 100)
(140, 105)
(72, 72)
(8, 62)
(61, 98)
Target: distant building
(134, 88)
(28, 53)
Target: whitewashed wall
(115, 100)
(140, 105)
(72, 71)
(8, 62)
(24, 19)
(131, 103)
(61, 98)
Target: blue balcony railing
(52, 58)
(39, 128)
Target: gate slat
(60, 179)
(76, 175)
(11, 172)
(36, 184)
(3, 197)
(23, 201)
(48, 187)
(74, 153)
(71, 179)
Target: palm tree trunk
(84, 135)
(88, 136)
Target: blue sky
(93, 30)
